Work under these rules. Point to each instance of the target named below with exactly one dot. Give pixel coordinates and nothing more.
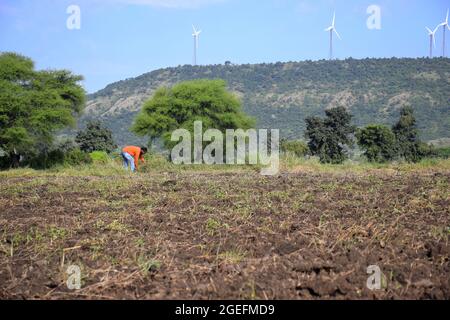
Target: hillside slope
(282, 95)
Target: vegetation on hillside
(282, 95)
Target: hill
(282, 95)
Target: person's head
(144, 150)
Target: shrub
(296, 147)
(443, 152)
(77, 157)
(46, 160)
(66, 145)
(99, 157)
(426, 151)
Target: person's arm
(136, 160)
(142, 158)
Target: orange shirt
(135, 152)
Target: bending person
(131, 156)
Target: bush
(46, 160)
(66, 145)
(99, 157)
(426, 151)
(74, 157)
(77, 157)
(443, 152)
(296, 147)
(5, 162)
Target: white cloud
(174, 4)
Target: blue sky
(119, 39)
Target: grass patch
(232, 256)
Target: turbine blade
(329, 29)
(337, 34)
(195, 31)
(446, 18)
(334, 19)
(429, 31)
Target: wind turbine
(332, 29)
(195, 35)
(432, 35)
(444, 26)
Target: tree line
(36, 105)
(329, 138)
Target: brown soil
(226, 236)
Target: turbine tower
(444, 26)
(195, 35)
(432, 35)
(332, 29)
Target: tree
(96, 137)
(378, 143)
(407, 136)
(328, 136)
(183, 104)
(34, 105)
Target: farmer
(131, 156)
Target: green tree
(183, 104)
(329, 136)
(407, 136)
(34, 105)
(378, 143)
(95, 137)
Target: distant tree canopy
(378, 143)
(183, 104)
(328, 137)
(34, 104)
(96, 137)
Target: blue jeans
(128, 160)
